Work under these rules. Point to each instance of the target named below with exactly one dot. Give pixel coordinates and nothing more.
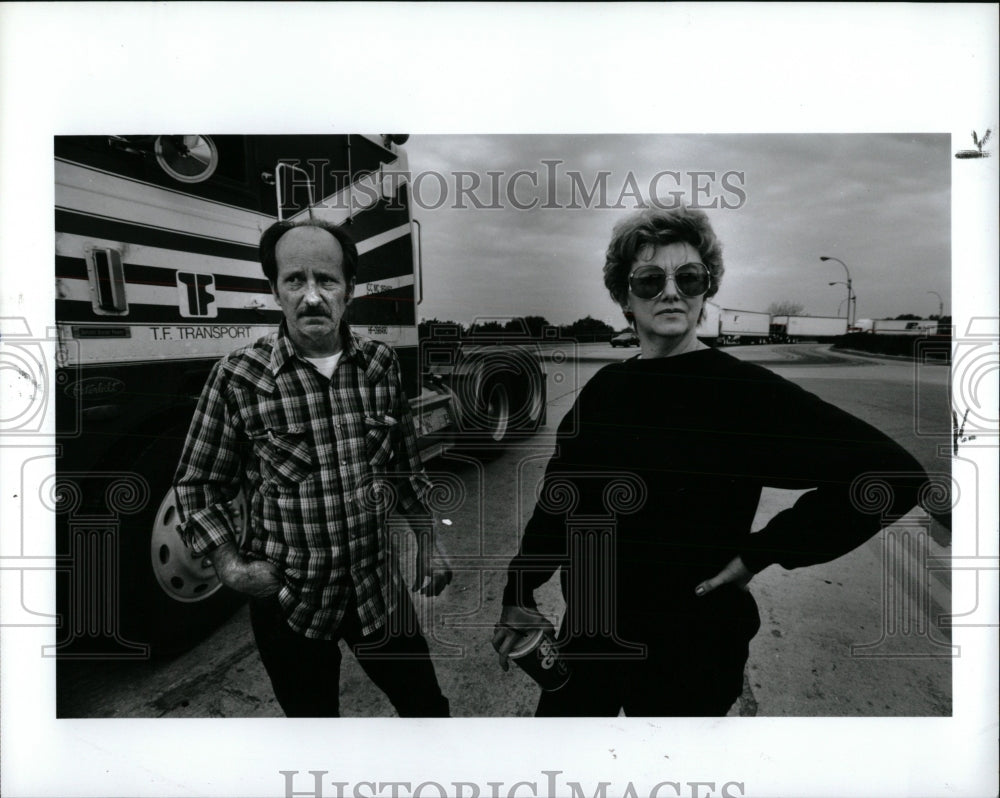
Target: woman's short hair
(656, 226)
(270, 238)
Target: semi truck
(157, 277)
(708, 327)
(897, 326)
(722, 326)
(789, 329)
(744, 326)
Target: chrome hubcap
(181, 576)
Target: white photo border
(296, 68)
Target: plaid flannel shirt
(320, 462)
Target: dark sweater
(669, 456)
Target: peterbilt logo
(95, 386)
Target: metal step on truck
(157, 277)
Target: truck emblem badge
(194, 297)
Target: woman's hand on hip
(735, 573)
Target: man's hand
(735, 573)
(433, 566)
(255, 578)
(514, 624)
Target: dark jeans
(305, 673)
(693, 666)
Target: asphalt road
(856, 637)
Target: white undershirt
(326, 365)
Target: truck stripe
(76, 246)
(76, 310)
(137, 274)
(88, 190)
(390, 260)
(391, 307)
(90, 225)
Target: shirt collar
(284, 349)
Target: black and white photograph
(489, 277)
(599, 457)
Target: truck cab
(157, 277)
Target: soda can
(538, 656)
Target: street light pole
(847, 316)
(940, 304)
(850, 293)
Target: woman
(647, 503)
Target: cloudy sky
(880, 203)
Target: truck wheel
(487, 428)
(169, 599)
(498, 396)
(179, 575)
(496, 416)
(537, 407)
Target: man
(313, 423)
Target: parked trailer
(728, 326)
(744, 326)
(779, 329)
(708, 327)
(905, 326)
(896, 326)
(157, 277)
(788, 329)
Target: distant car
(627, 338)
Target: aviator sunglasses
(649, 281)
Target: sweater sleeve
(544, 546)
(860, 480)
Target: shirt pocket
(284, 455)
(380, 440)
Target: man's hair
(270, 238)
(656, 227)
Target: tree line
(529, 327)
